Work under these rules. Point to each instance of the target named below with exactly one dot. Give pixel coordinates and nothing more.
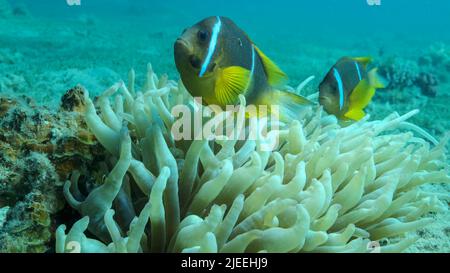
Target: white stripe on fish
(212, 45)
(357, 69)
(340, 88)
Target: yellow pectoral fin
(363, 60)
(376, 80)
(275, 75)
(231, 82)
(361, 95)
(355, 114)
(359, 99)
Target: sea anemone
(325, 188)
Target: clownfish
(217, 61)
(348, 88)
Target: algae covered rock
(39, 149)
(400, 73)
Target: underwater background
(98, 41)
(48, 47)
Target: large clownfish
(218, 62)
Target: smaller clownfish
(348, 88)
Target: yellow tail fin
(376, 80)
(290, 105)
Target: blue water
(97, 42)
(339, 23)
(408, 17)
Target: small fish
(217, 61)
(348, 88)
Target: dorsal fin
(363, 60)
(275, 75)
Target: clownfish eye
(202, 35)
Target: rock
(39, 149)
(428, 84)
(73, 100)
(400, 73)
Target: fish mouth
(181, 43)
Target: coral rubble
(326, 188)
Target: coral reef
(38, 150)
(437, 56)
(405, 74)
(417, 82)
(428, 84)
(326, 188)
(400, 73)
(425, 72)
